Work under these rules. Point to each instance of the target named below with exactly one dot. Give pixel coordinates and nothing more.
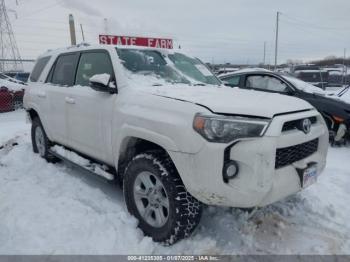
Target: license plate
(309, 176)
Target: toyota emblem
(306, 126)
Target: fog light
(230, 170)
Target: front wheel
(156, 196)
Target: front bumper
(258, 182)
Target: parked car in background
(11, 94)
(10, 79)
(335, 111)
(5, 99)
(10, 74)
(312, 75)
(335, 77)
(22, 76)
(225, 70)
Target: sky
(219, 31)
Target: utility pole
(11, 59)
(82, 32)
(73, 37)
(276, 44)
(264, 60)
(345, 69)
(106, 25)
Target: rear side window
(267, 83)
(64, 70)
(93, 63)
(38, 68)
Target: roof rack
(82, 44)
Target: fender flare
(33, 107)
(128, 132)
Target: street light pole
(264, 60)
(276, 44)
(345, 69)
(82, 32)
(73, 37)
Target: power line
(311, 32)
(316, 26)
(43, 9)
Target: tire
(40, 141)
(183, 211)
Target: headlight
(224, 129)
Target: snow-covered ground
(54, 209)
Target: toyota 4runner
(164, 125)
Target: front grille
(297, 124)
(288, 155)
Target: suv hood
(233, 101)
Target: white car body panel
(57, 110)
(258, 182)
(89, 121)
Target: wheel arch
(33, 113)
(132, 146)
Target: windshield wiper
(199, 84)
(341, 93)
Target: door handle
(41, 95)
(70, 100)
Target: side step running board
(86, 165)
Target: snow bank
(53, 209)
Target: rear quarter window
(38, 68)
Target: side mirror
(103, 83)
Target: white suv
(163, 124)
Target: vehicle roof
(86, 47)
(243, 72)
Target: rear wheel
(156, 196)
(40, 141)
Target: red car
(10, 100)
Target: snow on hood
(343, 95)
(219, 99)
(11, 85)
(306, 87)
(345, 98)
(232, 100)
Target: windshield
(193, 68)
(177, 68)
(301, 85)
